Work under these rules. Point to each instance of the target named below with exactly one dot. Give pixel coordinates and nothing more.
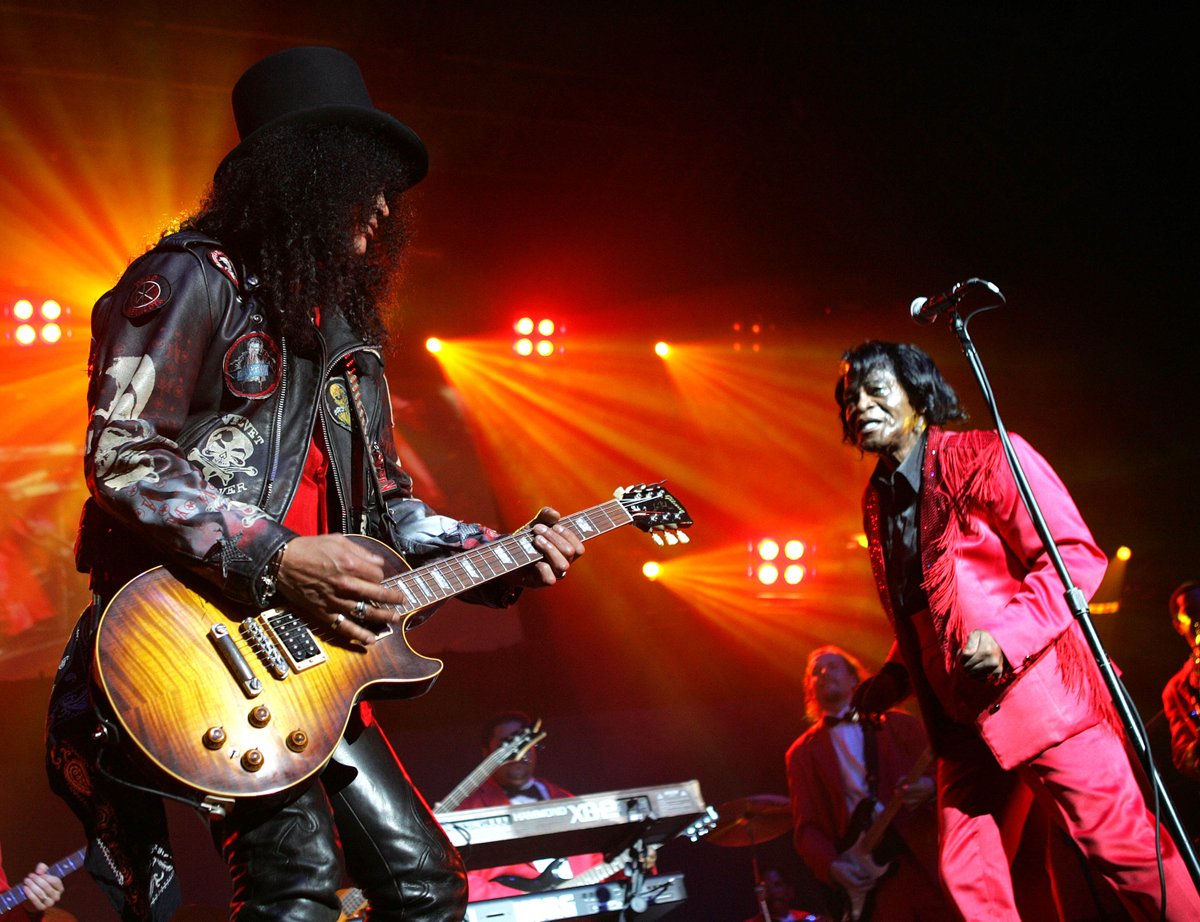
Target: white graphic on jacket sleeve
(223, 454)
(133, 379)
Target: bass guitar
(15, 896)
(235, 702)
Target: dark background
(850, 155)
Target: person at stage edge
(1181, 695)
(1009, 690)
(42, 890)
(516, 782)
(240, 422)
(842, 761)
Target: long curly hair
(290, 209)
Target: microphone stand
(1076, 602)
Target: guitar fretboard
(10, 899)
(454, 575)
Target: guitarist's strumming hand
(327, 576)
(849, 874)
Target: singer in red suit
(1008, 688)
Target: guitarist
(42, 890)
(842, 763)
(239, 421)
(516, 782)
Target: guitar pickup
(293, 638)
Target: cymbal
(751, 820)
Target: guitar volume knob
(252, 760)
(297, 741)
(260, 716)
(214, 737)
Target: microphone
(926, 310)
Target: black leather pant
(285, 864)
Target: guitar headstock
(517, 746)
(654, 510)
(701, 826)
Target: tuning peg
(670, 538)
(619, 492)
(658, 538)
(683, 537)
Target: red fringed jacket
(985, 568)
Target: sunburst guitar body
(236, 702)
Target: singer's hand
(982, 657)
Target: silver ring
(360, 611)
(337, 621)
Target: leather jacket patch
(225, 265)
(253, 367)
(148, 293)
(337, 403)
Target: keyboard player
(516, 782)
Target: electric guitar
(15, 896)
(235, 702)
(646, 859)
(863, 848)
(354, 902)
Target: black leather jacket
(201, 419)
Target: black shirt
(899, 529)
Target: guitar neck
(451, 576)
(874, 834)
(14, 897)
(471, 783)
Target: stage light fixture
(547, 341)
(1123, 553)
(651, 570)
(662, 350)
(776, 563)
(767, 574)
(433, 344)
(30, 324)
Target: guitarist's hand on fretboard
(916, 793)
(558, 545)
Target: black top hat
(314, 85)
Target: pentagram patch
(225, 265)
(148, 294)
(253, 366)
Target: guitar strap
(379, 482)
(871, 758)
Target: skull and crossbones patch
(253, 366)
(227, 452)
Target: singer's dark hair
(927, 390)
